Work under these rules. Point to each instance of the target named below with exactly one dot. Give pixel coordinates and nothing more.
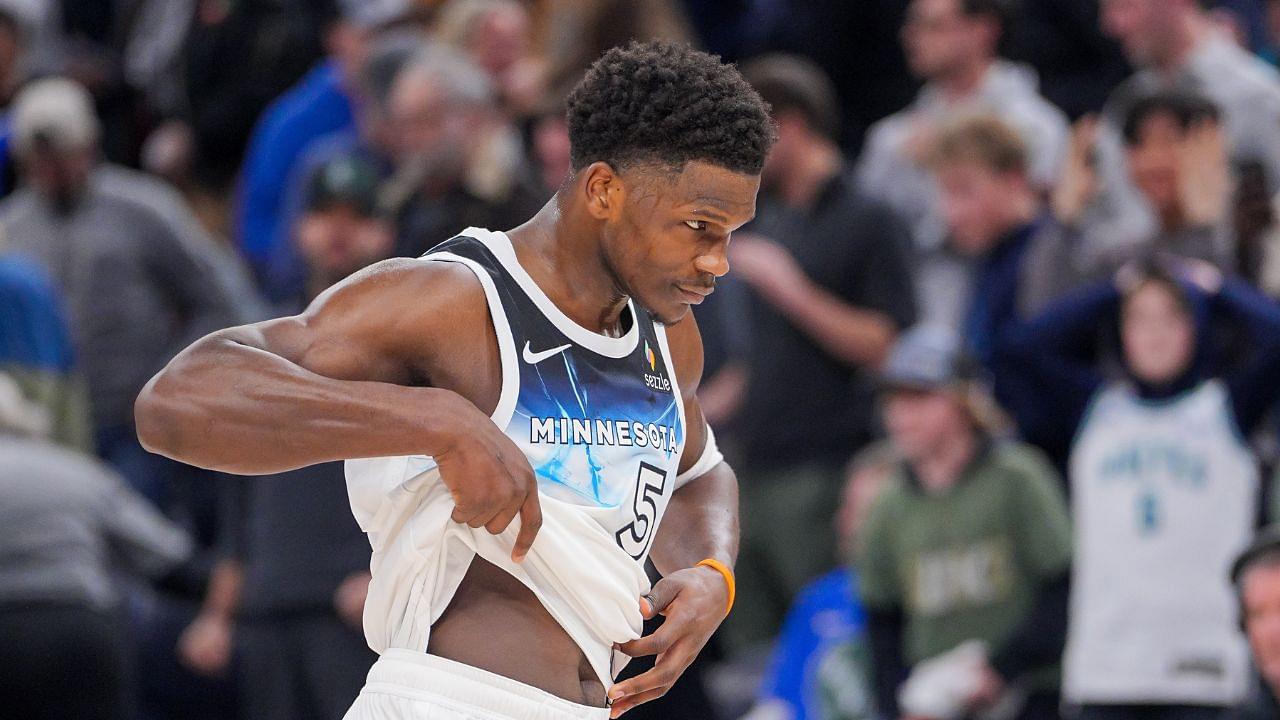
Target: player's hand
(693, 602)
(205, 646)
(349, 598)
(490, 478)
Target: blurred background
(996, 363)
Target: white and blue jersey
(602, 423)
(1164, 495)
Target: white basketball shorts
(409, 685)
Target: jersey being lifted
(601, 422)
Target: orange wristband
(728, 578)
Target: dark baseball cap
(927, 357)
(345, 180)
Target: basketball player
(518, 413)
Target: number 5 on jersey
(650, 485)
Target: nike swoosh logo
(533, 358)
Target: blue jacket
(825, 620)
(316, 106)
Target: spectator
(965, 555)
(341, 230)
(298, 603)
(995, 216)
(1176, 158)
(820, 669)
(497, 36)
(1157, 467)
(1271, 27)
(1079, 66)
(549, 145)
(1176, 47)
(139, 282)
(1256, 577)
(36, 351)
(15, 30)
(65, 523)
(461, 162)
(373, 138)
(573, 33)
(952, 45)
(236, 59)
(321, 103)
(829, 289)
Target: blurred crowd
(996, 364)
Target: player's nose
(714, 262)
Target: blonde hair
(459, 19)
(984, 139)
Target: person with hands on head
(1177, 160)
(518, 413)
(1164, 487)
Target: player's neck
(564, 259)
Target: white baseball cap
(56, 110)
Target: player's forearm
(225, 405)
(701, 521)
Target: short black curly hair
(669, 104)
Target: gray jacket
(140, 280)
(67, 520)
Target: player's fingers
(664, 673)
(658, 679)
(462, 514)
(630, 702)
(530, 524)
(659, 597)
(499, 522)
(660, 641)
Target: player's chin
(670, 313)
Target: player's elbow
(170, 418)
(158, 420)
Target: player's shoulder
(424, 279)
(405, 291)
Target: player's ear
(603, 190)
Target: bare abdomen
(495, 623)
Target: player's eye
(699, 225)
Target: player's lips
(695, 295)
